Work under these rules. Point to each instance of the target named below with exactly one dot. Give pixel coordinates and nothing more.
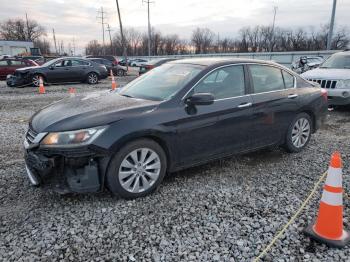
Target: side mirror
(200, 99)
(51, 67)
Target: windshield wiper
(127, 95)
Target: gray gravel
(228, 210)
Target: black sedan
(181, 114)
(144, 68)
(60, 70)
(117, 69)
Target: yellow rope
(280, 233)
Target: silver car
(334, 75)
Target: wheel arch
(151, 136)
(93, 71)
(313, 118)
(40, 74)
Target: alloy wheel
(93, 79)
(301, 132)
(139, 170)
(36, 80)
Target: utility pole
(122, 35)
(73, 46)
(273, 27)
(149, 25)
(54, 39)
(331, 26)
(110, 37)
(27, 22)
(102, 17)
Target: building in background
(13, 48)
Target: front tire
(137, 169)
(120, 72)
(299, 133)
(92, 78)
(36, 80)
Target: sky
(78, 18)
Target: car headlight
(72, 138)
(343, 84)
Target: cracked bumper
(64, 172)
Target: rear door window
(3, 63)
(16, 63)
(266, 78)
(223, 83)
(79, 63)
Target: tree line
(205, 41)
(202, 41)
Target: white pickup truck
(334, 75)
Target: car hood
(26, 69)
(83, 111)
(327, 74)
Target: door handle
(292, 96)
(244, 105)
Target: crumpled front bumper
(73, 171)
(17, 81)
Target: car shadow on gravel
(251, 159)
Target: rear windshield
(162, 82)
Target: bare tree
(341, 39)
(93, 48)
(202, 38)
(43, 45)
(18, 29)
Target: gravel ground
(227, 210)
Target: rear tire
(120, 72)
(137, 169)
(299, 133)
(92, 78)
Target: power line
(122, 35)
(27, 22)
(73, 46)
(331, 26)
(148, 2)
(54, 39)
(102, 16)
(110, 36)
(273, 27)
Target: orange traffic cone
(114, 83)
(71, 91)
(41, 86)
(328, 228)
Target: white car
(334, 75)
(138, 62)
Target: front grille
(30, 136)
(325, 83)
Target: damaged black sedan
(178, 115)
(60, 70)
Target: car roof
(220, 60)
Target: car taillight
(149, 66)
(324, 94)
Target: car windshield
(51, 62)
(337, 61)
(162, 82)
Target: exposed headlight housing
(72, 138)
(343, 84)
